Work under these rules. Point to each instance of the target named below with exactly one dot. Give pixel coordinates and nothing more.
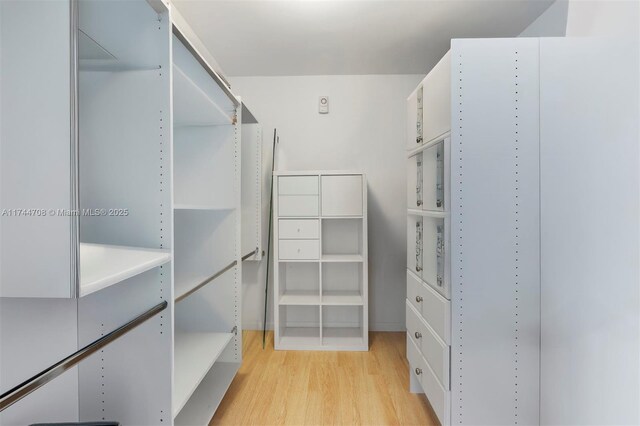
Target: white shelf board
(342, 336)
(205, 400)
(192, 106)
(342, 258)
(300, 297)
(201, 207)
(300, 336)
(194, 355)
(349, 298)
(341, 217)
(103, 265)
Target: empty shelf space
(349, 298)
(205, 400)
(342, 258)
(194, 355)
(202, 207)
(193, 107)
(300, 336)
(300, 297)
(103, 265)
(342, 336)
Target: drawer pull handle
(418, 371)
(418, 299)
(418, 335)
(418, 269)
(419, 202)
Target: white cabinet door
(412, 121)
(434, 254)
(414, 244)
(436, 111)
(35, 135)
(342, 195)
(415, 182)
(434, 171)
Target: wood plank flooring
(324, 388)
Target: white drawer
(298, 185)
(295, 229)
(434, 308)
(435, 351)
(298, 205)
(435, 393)
(299, 249)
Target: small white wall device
(323, 105)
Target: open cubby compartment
(197, 98)
(342, 239)
(207, 348)
(135, 370)
(342, 283)
(140, 37)
(299, 326)
(204, 159)
(343, 327)
(204, 245)
(124, 142)
(299, 283)
(435, 259)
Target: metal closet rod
(214, 276)
(45, 376)
(248, 255)
(207, 281)
(214, 75)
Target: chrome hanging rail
(214, 75)
(207, 281)
(45, 376)
(248, 255)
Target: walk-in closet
(308, 212)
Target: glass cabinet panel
(433, 185)
(434, 253)
(414, 244)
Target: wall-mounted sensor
(323, 105)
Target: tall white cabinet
(320, 261)
(473, 237)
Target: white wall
(364, 130)
(579, 18)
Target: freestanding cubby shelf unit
(320, 272)
(131, 179)
(473, 234)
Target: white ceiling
(306, 37)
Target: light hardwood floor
(324, 388)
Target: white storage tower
(134, 194)
(320, 261)
(473, 279)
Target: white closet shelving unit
(142, 204)
(96, 169)
(320, 258)
(207, 220)
(473, 279)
